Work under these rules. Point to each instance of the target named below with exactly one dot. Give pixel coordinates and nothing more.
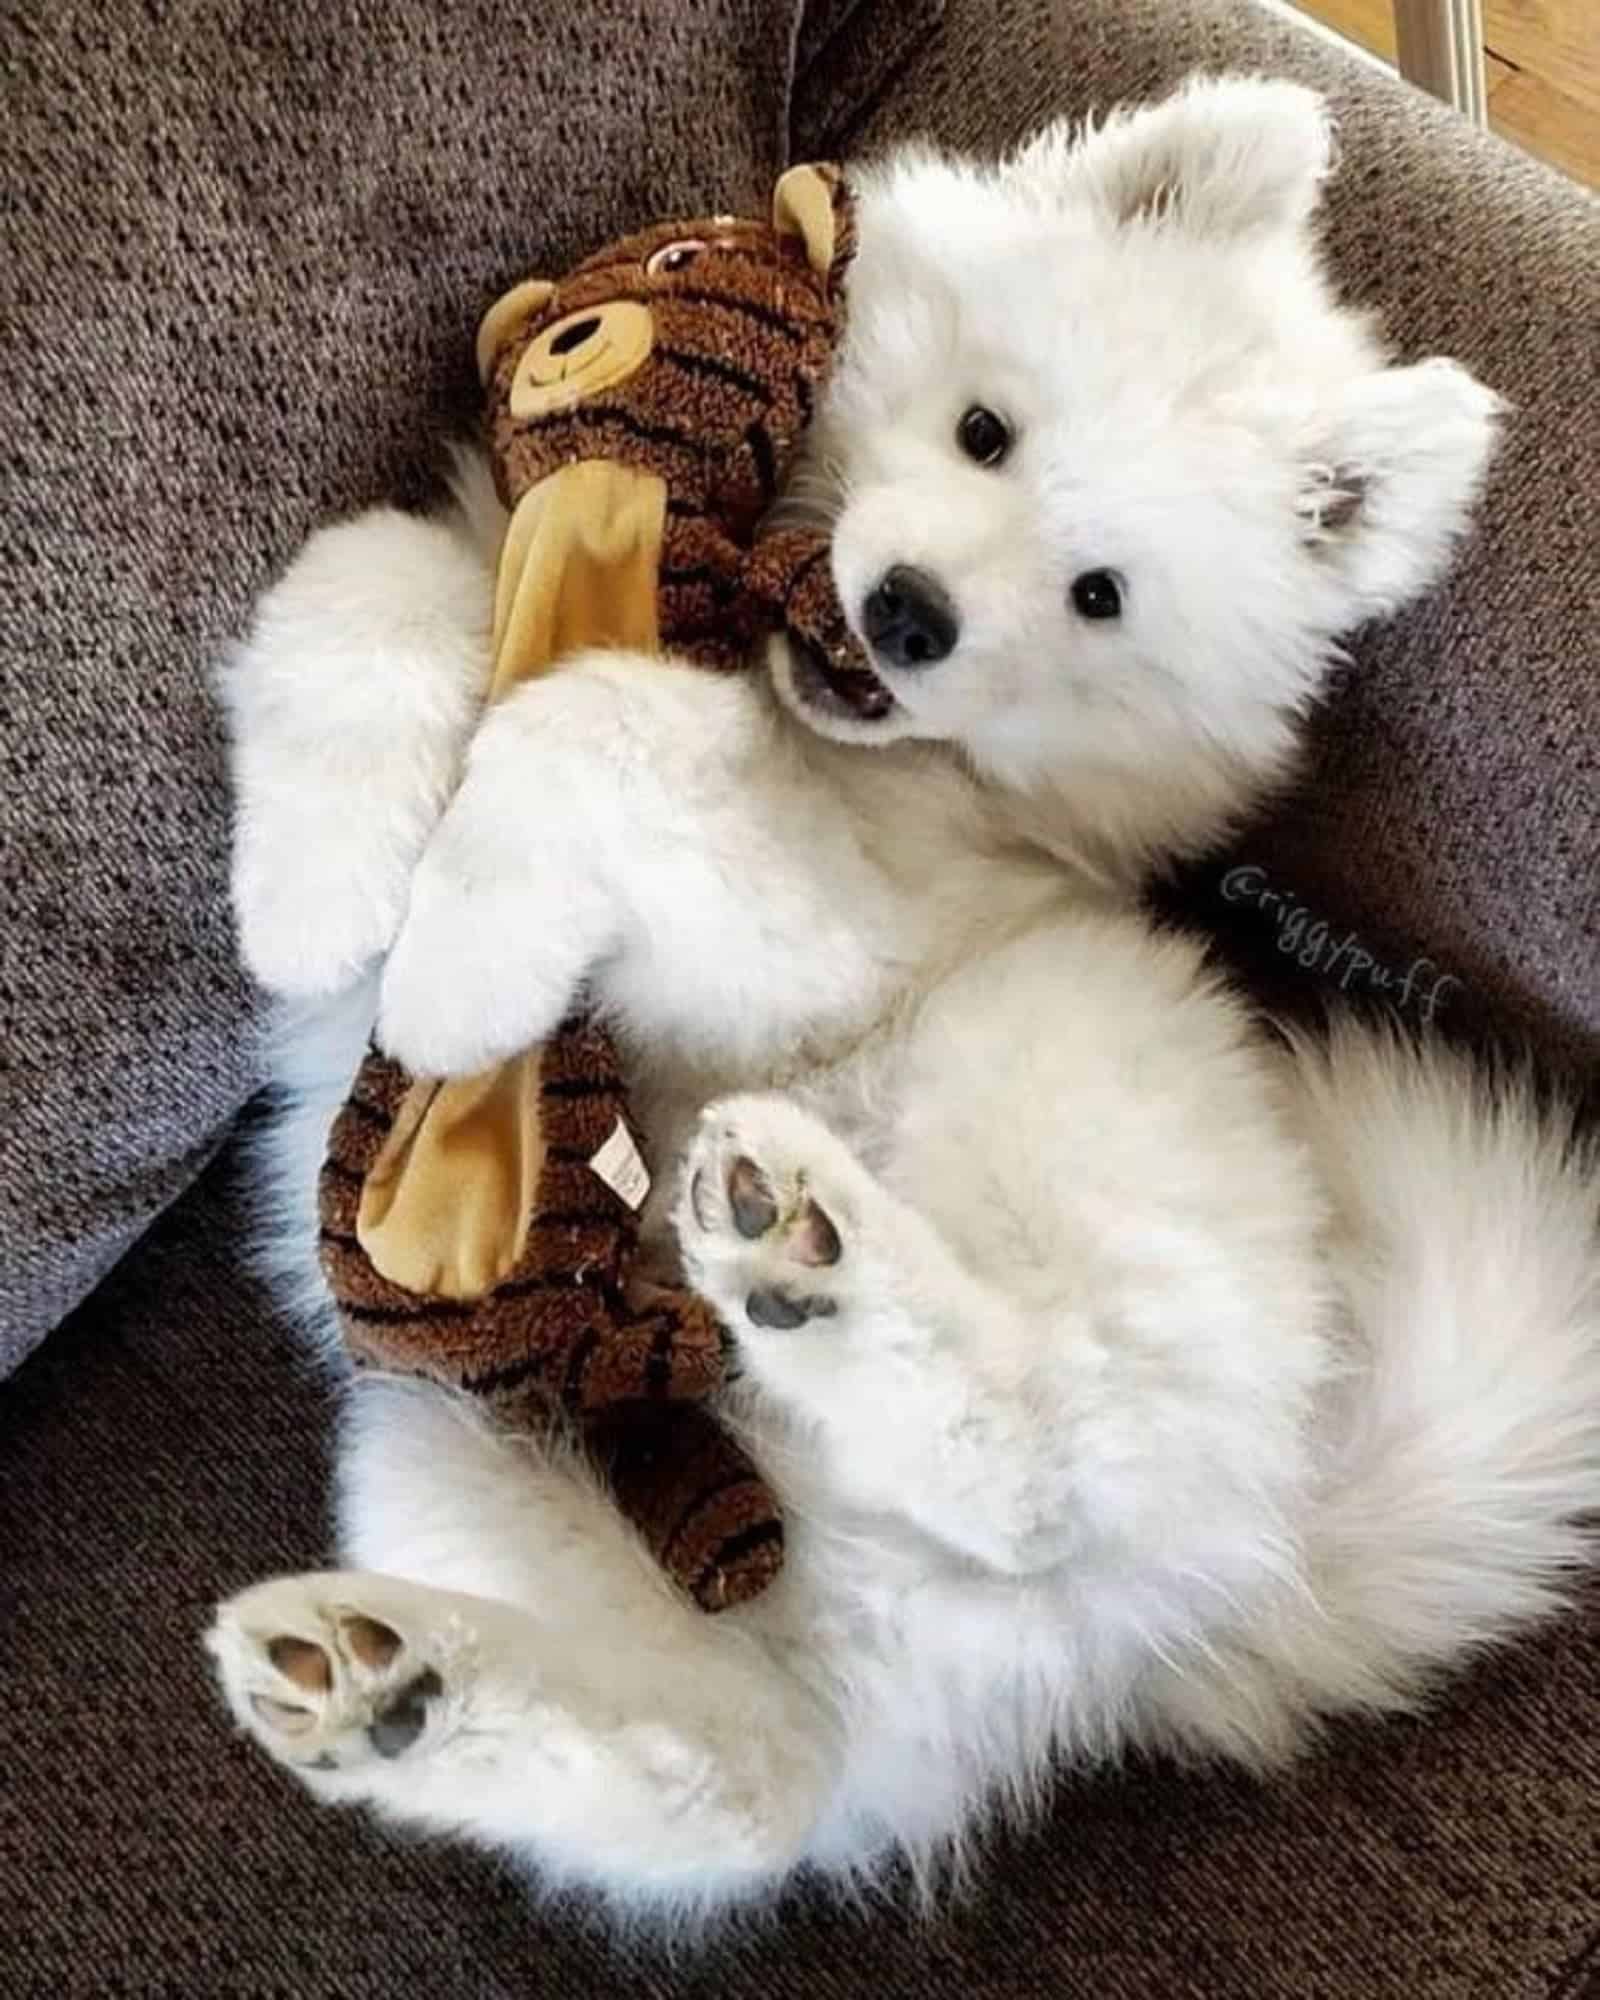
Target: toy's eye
(1097, 594)
(674, 257)
(983, 436)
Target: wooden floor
(1543, 63)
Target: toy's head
(691, 350)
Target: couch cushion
(244, 255)
(1448, 822)
(169, 1445)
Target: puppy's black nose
(909, 618)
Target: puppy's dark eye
(983, 436)
(1097, 594)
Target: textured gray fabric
(244, 251)
(167, 1445)
(1450, 807)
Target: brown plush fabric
(1450, 806)
(468, 1233)
(697, 1502)
(170, 1444)
(563, 1336)
(531, 1334)
(241, 255)
(740, 330)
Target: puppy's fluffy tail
(1467, 1248)
(1461, 1442)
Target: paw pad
(282, 1715)
(770, 1306)
(767, 1209)
(750, 1197)
(396, 1727)
(809, 1235)
(302, 1662)
(371, 1642)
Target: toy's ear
(509, 313)
(810, 205)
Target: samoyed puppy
(1128, 1375)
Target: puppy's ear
(1223, 156)
(1390, 479)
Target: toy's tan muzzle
(582, 353)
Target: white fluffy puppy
(1147, 1381)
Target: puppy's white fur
(1180, 1388)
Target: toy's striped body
(641, 413)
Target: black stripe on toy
(766, 460)
(687, 575)
(762, 1534)
(596, 416)
(496, 1381)
(699, 1505)
(576, 1218)
(718, 370)
(417, 1315)
(803, 570)
(582, 1354)
(768, 316)
(658, 1368)
(375, 1114)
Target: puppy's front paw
(766, 1214)
(463, 987)
(427, 1017)
(309, 931)
(504, 923)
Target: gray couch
(243, 258)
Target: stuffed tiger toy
(482, 1230)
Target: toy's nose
(576, 335)
(909, 619)
(576, 357)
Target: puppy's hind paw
(329, 1674)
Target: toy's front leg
(350, 703)
(573, 786)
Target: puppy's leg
(923, 1392)
(350, 704)
(589, 1717)
(575, 787)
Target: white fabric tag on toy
(619, 1165)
